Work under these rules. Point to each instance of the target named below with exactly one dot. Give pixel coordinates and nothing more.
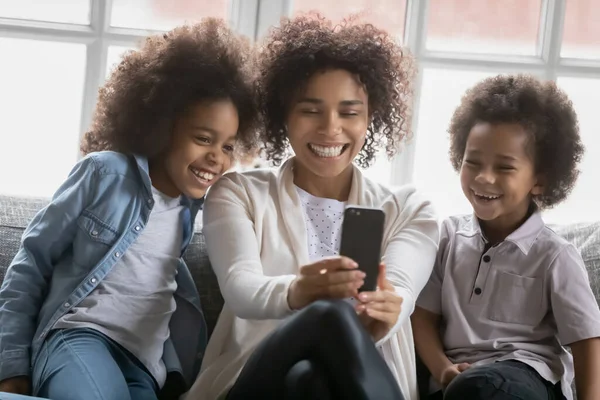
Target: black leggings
(322, 353)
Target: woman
(333, 94)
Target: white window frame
(99, 35)
(548, 64)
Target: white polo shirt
(522, 299)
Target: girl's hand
(330, 278)
(16, 385)
(379, 310)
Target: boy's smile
(498, 176)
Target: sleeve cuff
(13, 364)
(408, 306)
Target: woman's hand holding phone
(330, 278)
(379, 310)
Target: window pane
(114, 56)
(385, 14)
(41, 114)
(582, 204)
(381, 170)
(484, 26)
(440, 95)
(581, 37)
(68, 11)
(164, 15)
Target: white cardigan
(256, 240)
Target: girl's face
(327, 123)
(201, 150)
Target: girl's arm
(586, 356)
(47, 236)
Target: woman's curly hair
(151, 87)
(301, 46)
(543, 110)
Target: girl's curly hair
(301, 46)
(543, 110)
(138, 104)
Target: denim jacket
(72, 244)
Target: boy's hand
(452, 372)
(16, 385)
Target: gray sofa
(15, 213)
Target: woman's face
(327, 123)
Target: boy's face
(201, 149)
(498, 175)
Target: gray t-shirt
(522, 299)
(134, 303)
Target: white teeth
(326, 151)
(487, 196)
(207, 176)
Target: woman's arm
(586, 356)
(47, 236)
(235, 255)
(410, 253)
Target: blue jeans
(76, 364)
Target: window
(582, 204)
(40, 132)
(163, 15)
(55, 55)
(581, 31)
(387, 14)
(67, 11)
(485, 27)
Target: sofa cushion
(586, 238)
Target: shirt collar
(523, 237)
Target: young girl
(98, 287)
(507, 294)
(289, 328)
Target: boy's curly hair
(543, 110)
(138, 104)
(301, 46)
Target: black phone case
(362, 234)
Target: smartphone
(362, 234)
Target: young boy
(507, 294)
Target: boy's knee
(472, 384)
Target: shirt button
(94, 233)
(67, 305)
(137, 227)
(486, 258)
(117, 254)
(477, 291)
(93, 280)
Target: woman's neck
(336, 187)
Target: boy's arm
(586, 356)
(428, 343)
(26, 282)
